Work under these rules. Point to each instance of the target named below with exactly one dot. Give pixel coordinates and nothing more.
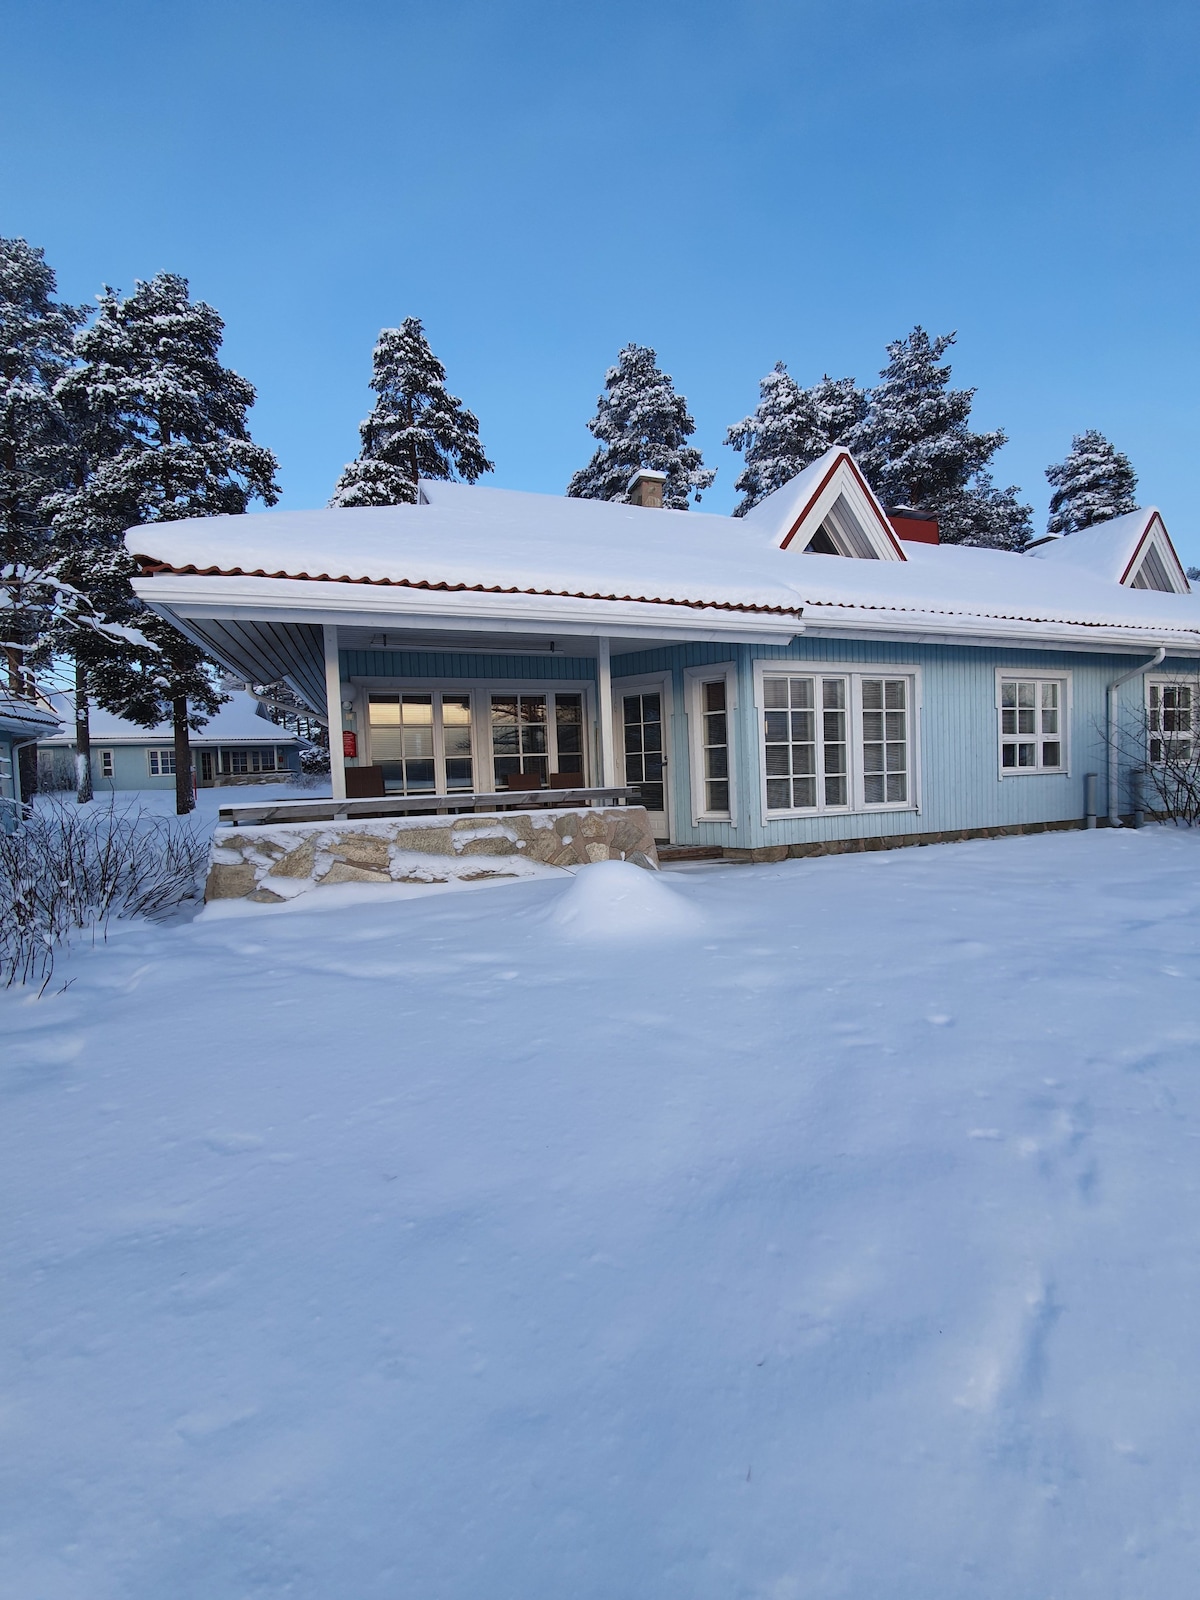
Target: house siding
(131, 767)
(956, 723)
(960, 784)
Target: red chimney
(918, 527)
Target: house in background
(813, 676)
(22, 725)
(238, 746)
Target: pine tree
(1094, 483)
(416, 429)
(641, 422)
(161, 434)
(36, 332)
(789, 428)
(917, 448)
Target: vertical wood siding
(958, 739)
(956, 722)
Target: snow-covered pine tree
(641, 422)
(416, 429)
(36, 332)
(162, 433)
(916, 446)
(1094, 483)
(789, 428)
(984, 515)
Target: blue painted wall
(960, 783)
(131, 768)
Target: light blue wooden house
(237, 746)
(816, 675)
(22, 723)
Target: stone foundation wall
(896, 841)
(276, 862)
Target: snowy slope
(828, 1232)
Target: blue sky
(732, 183)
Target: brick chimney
(918, 527)
(646, 488)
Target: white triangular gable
(1154, 564)
(1134, 550)
(829, 509)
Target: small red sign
(350, 745)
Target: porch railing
(400, 805)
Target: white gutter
(1114, 798)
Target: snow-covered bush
(315, 761)
(68, 870)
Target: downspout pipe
(1114, 797)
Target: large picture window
(836, 741)
(1032, 725)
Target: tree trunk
(16, 678)
(83, 739)
(185, 795)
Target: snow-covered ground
(161, 802)
(823, 1229)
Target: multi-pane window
(456, 741)
(106, 763)
(162, 763)
(243, 760)
(885, 740)
(643, 737)
(834, 741)
(425, 740)
(422, 741)
(714, 745)
(534, 735)
(568, 734)
(1031, 725)
(1172, 723)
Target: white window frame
(481, 692)
(1180, 680)
(854, 672)
(1038, 676)
(155, 758)
(107, 763)
(693, 680)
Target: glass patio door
(643, 723)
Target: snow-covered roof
(23, 717)
(1111, 549)
(237, 722)
(471, 543)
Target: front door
(643, 719)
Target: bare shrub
(67, 871)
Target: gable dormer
(1134, 550)
(829, 509)
(1154, 564)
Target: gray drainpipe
(1114, 799)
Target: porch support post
(333, 702)
(608, 760)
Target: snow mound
(616, 900)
